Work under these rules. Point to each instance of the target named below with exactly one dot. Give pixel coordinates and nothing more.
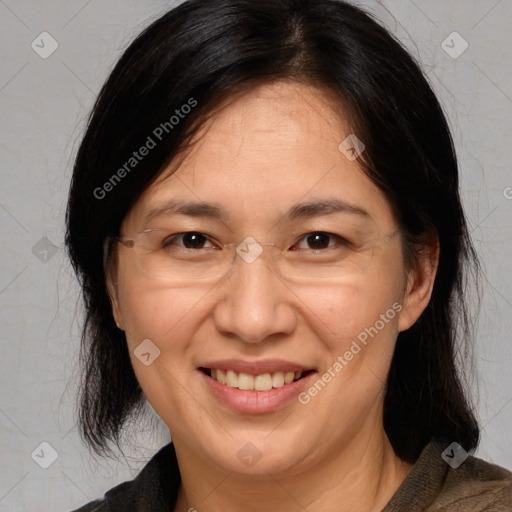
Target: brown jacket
(432, 485)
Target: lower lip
(256, 402)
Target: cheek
(163, 314)
(168, 317)
(359, 330)
(347, 309)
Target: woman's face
(267, 152)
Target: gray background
(44, 103)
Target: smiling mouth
(262, 382)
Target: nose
(255, 303)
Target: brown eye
(320, 240)
(191, 240)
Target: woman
(265, 220)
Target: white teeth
(262, 382)
(288, 377)
(245, 381)
(221, 376)
(231, 379)
(278, 380)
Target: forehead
(265, 151)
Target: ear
(114, 300)
(420, 283)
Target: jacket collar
(154, 489)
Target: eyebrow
(305, 210)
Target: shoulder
(476, 486)
(120, 496)
(434, 484)
(94, 506)
(155, 488)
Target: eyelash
(343, 241)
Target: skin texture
(262, 153)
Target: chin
(258, 454)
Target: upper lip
(255, 367)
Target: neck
(361, 476)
